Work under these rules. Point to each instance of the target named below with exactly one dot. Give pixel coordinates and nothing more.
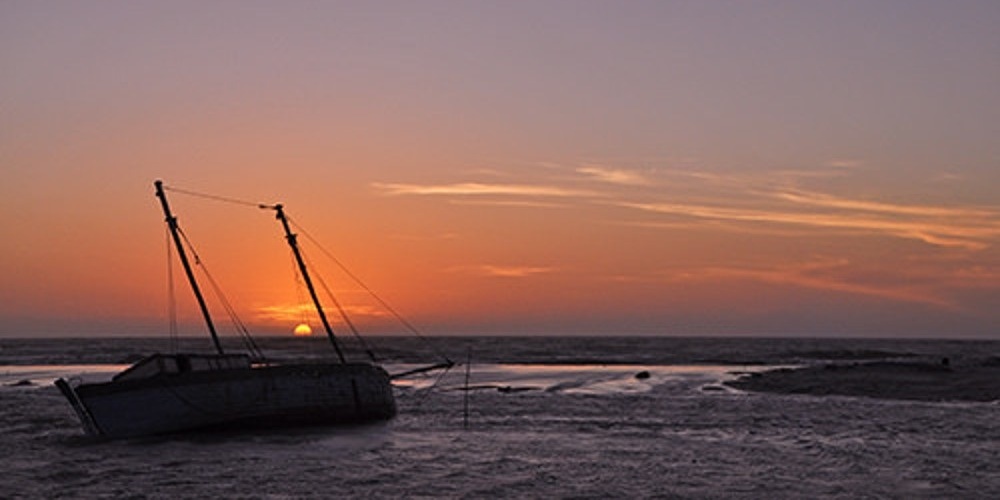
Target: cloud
(844, 163)
(481, 189)
(614, 176)
(968, 228)
(512, 203)
(548, 165)
(824, 274)
(427, 236)
(739, 201)
(948, 177)
(496, 271)
(976, 276)
(298, 313)
(813, 198)
(285, 313)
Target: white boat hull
(299, 394)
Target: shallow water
(581, 431)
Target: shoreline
(900, 380)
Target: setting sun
(302, 330)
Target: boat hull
(298, 394)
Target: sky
(785, 168)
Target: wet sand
(921, 381)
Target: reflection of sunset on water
(583, 379)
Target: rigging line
(409, 326)
(248, 340)
(341, 310)
(215, 197)
(423, 394)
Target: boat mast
(172, 224)
(292, 242)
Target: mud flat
(921, 381)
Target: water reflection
(45, 375)
(575, 379)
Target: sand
(921, 381)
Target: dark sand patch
(920, 381)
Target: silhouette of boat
(165, 393)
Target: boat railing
(173, 364)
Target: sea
(523, 417)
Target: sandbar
(905, 380)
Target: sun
(303, 330)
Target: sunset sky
(813, 168)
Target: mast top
(182, 255)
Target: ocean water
(554, 417)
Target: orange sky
(541, 168)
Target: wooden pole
(468, 368)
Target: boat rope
(248, 341)
(423, 394)
(403, 321)
(215, 197)
(341, 310)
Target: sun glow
(302, 330)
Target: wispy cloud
(817, 199)
(925, 254)
(948, 177)
(613, 175)
(498, 271)
(976, 276)
(844, 163)
(297, 313)
(969, 228)
(734, 200)
(829, 274)
(480, 189)
(522, 203)
(285, 313)
(427, 236)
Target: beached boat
(166, 393)
(171, 393)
